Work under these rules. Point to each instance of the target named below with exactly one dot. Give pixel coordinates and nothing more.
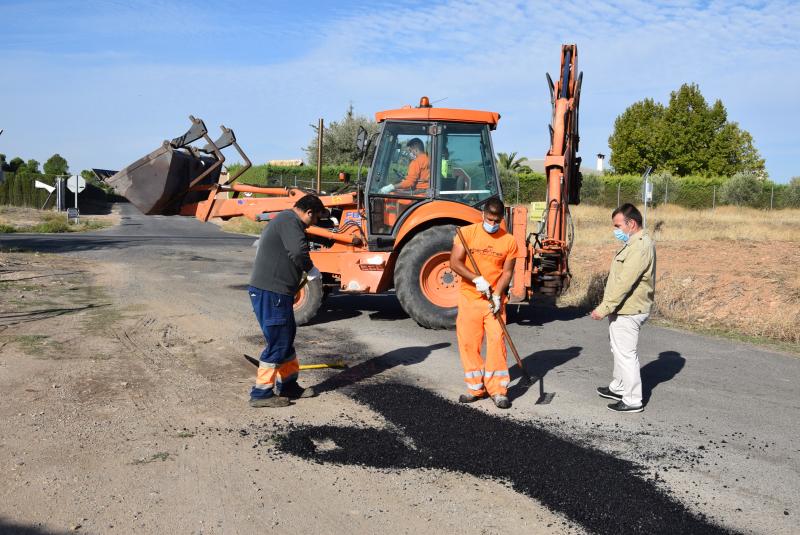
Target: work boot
(605, 392)
(469, 398)
(271, 402)
(295, 391)
(501, 402)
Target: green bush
(791, 195)
(301, 176)
(743, 189)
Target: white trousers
(623, 333)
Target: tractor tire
(424, 283)
(307, 301)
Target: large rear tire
(307, 301)
(424, 282)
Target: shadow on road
(405, 356)
(663, 369)
(9, 528)
(543, 312)
(538, 364)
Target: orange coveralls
(475, 318)
(419, 173)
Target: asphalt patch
(602, 493)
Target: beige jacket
(631, 282)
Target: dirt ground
(750, 291)
(96, 437)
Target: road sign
(42, 185)
(73, 215)
(76, 182)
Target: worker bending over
(481, 304)
(419, 170)
(282, 258)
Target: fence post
(666, 191)
(771, 196)
(714, 198)
(618, 186)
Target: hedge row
(19, 190)
(302, 176)
(612, 190)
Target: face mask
(491, 229)
(620, 235)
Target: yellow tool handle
(336, 364)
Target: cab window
(465, 163)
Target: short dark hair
(416, 142)
(628, 211)
(494, 206)
(310, 202)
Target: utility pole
(320, 129)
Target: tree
(15, 164)
(56, 165)
(339, 139)
(637, 139)
(742, 189)
(31, 167)
(687, 137)
(509, 162)
(793, 193)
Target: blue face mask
(491, 229)
(620, 235)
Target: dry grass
(674, 223)
(22, 219)
(240, 225)
(732, 271)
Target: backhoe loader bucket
(159, 183)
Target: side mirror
(361, 139)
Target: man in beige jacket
(627, 301)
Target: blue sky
(103, 83)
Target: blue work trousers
(278, 363)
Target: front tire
(307, 301)
(426, 286)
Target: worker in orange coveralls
(482, 296)
(419, 170)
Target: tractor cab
(428, 153)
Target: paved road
(721, 420)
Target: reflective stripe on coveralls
(474, 319)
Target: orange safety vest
(419, 173)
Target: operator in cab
(481, 304)
(419, 170)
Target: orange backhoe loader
(379, 238)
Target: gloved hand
(494, 304)
(313, 273)
(482, 285)
(388, 188)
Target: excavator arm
(552, 245)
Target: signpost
(50, 189)
(75, 184)
(647, 194)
